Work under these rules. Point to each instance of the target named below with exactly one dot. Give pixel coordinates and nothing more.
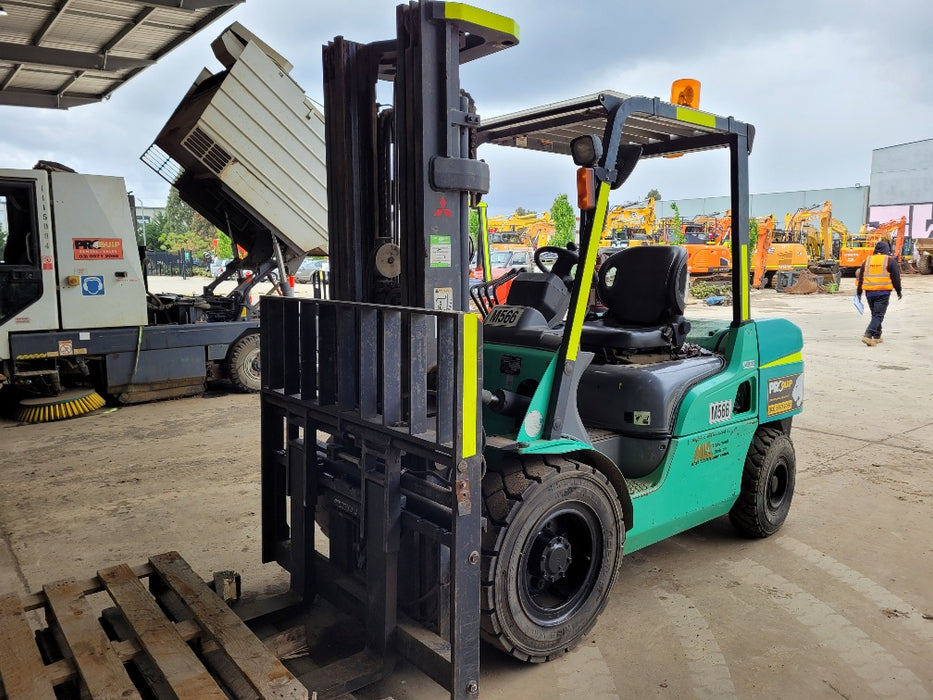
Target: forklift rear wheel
(243, 363)
(551, 553)
(767, 484)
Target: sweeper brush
(68, 404)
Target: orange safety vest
(876, 277)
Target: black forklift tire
(551, 553)
(767, 484)
(243, 363)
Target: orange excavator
(759, 261)
(855, 249)
(717, 227)
(713, 255)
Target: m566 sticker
(784, 394)
(720, 411)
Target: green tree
(204, 228)
(564, 221)
(189, 240)
(224, 246)
(521, 211)
(752, 238)
(653, 193)
(184, 229)
(178, 215)
(677, 237)
(474, 223)
(2, 240)
(473, 231)
(154, 230)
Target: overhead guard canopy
(658, 127)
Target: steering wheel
(563, 265)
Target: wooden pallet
(175, 639)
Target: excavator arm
(765, 238)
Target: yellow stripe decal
(746, 311)
(583, 300)
(786, 360)
(685, 114)
(481, 18)
(470, 362)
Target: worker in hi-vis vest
(878, 277)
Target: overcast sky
(824, 82)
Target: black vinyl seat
(643, 289)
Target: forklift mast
(399, 180)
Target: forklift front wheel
(552, 551)
(767, 484)
(243, 363)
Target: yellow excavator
(520, 231)
(856, 248)
(814, 227)
(772, 255)
(629, 225)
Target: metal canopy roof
(65, 53)
(659, 127)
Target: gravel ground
(837, 604)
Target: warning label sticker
(443, 298)
(440, 251)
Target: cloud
(823, 82)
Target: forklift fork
(370, 424)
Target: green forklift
(485, 477)
(612, 426)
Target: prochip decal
(785, 394)
(98, 248)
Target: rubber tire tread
(238, 354)
(925, 264)
(505, 487)
(744, 514)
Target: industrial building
(850, 204)
(902, 185)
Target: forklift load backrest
(644, 285)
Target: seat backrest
(644, 285)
